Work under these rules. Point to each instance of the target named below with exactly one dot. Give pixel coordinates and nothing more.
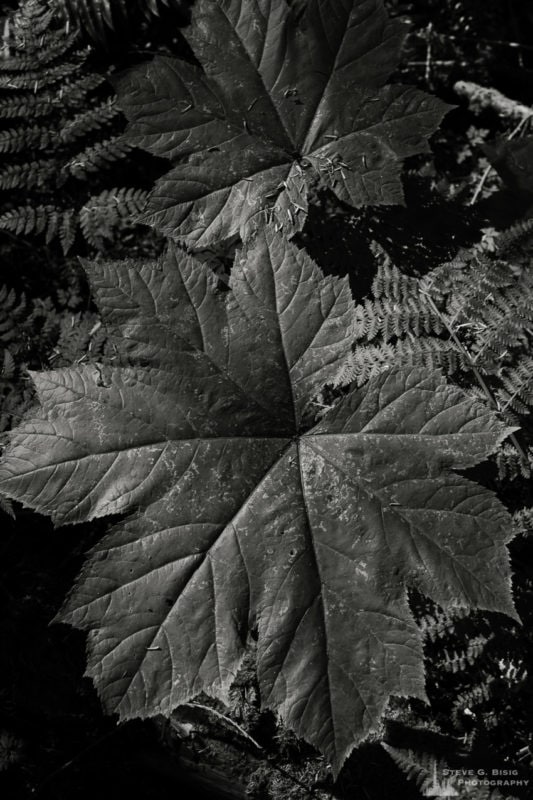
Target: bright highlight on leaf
(286, 102)
(240, 513)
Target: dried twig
(225, 719)
(427, 73)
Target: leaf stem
(226, 719)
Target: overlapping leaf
(239, 513)
(282, 104)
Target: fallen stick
(481, 98)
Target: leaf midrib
(204, 556)
(158, 443)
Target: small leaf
(282, 104)
(241, 512)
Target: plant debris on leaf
(242, 513)
(287, 101)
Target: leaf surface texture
(282, 104)
(240, 511)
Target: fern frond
(9, 401)
(103, 213)
(73, 131)
(460, 659)
(488, 293)
(417, 767)
(95, 16)
(476, 695)
(516, 391)
(55, 216)
(364, 362)
(50, 220)
(514, 235)
(12, 309)
(16, 140)
(523, 521)
(94, 119)
(440, 623)
(98, 157)
(432, 353)
(505, 324)
(26, 106)
(399, 306)
(7, 372)
(473, 316)
(67, 229)
(425, 770)
(27, 219)
(99, 18)
(32, 18)
(511, 464)
(73, 93)
(367, 360)
(36, 79)
(47, 219)
(47, 49)
(390, 283)
(392, 319)
(30, 175)
(433, 778)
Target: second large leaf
(241, 513)
(281, 103)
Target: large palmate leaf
(287, 100)
(240, 513)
